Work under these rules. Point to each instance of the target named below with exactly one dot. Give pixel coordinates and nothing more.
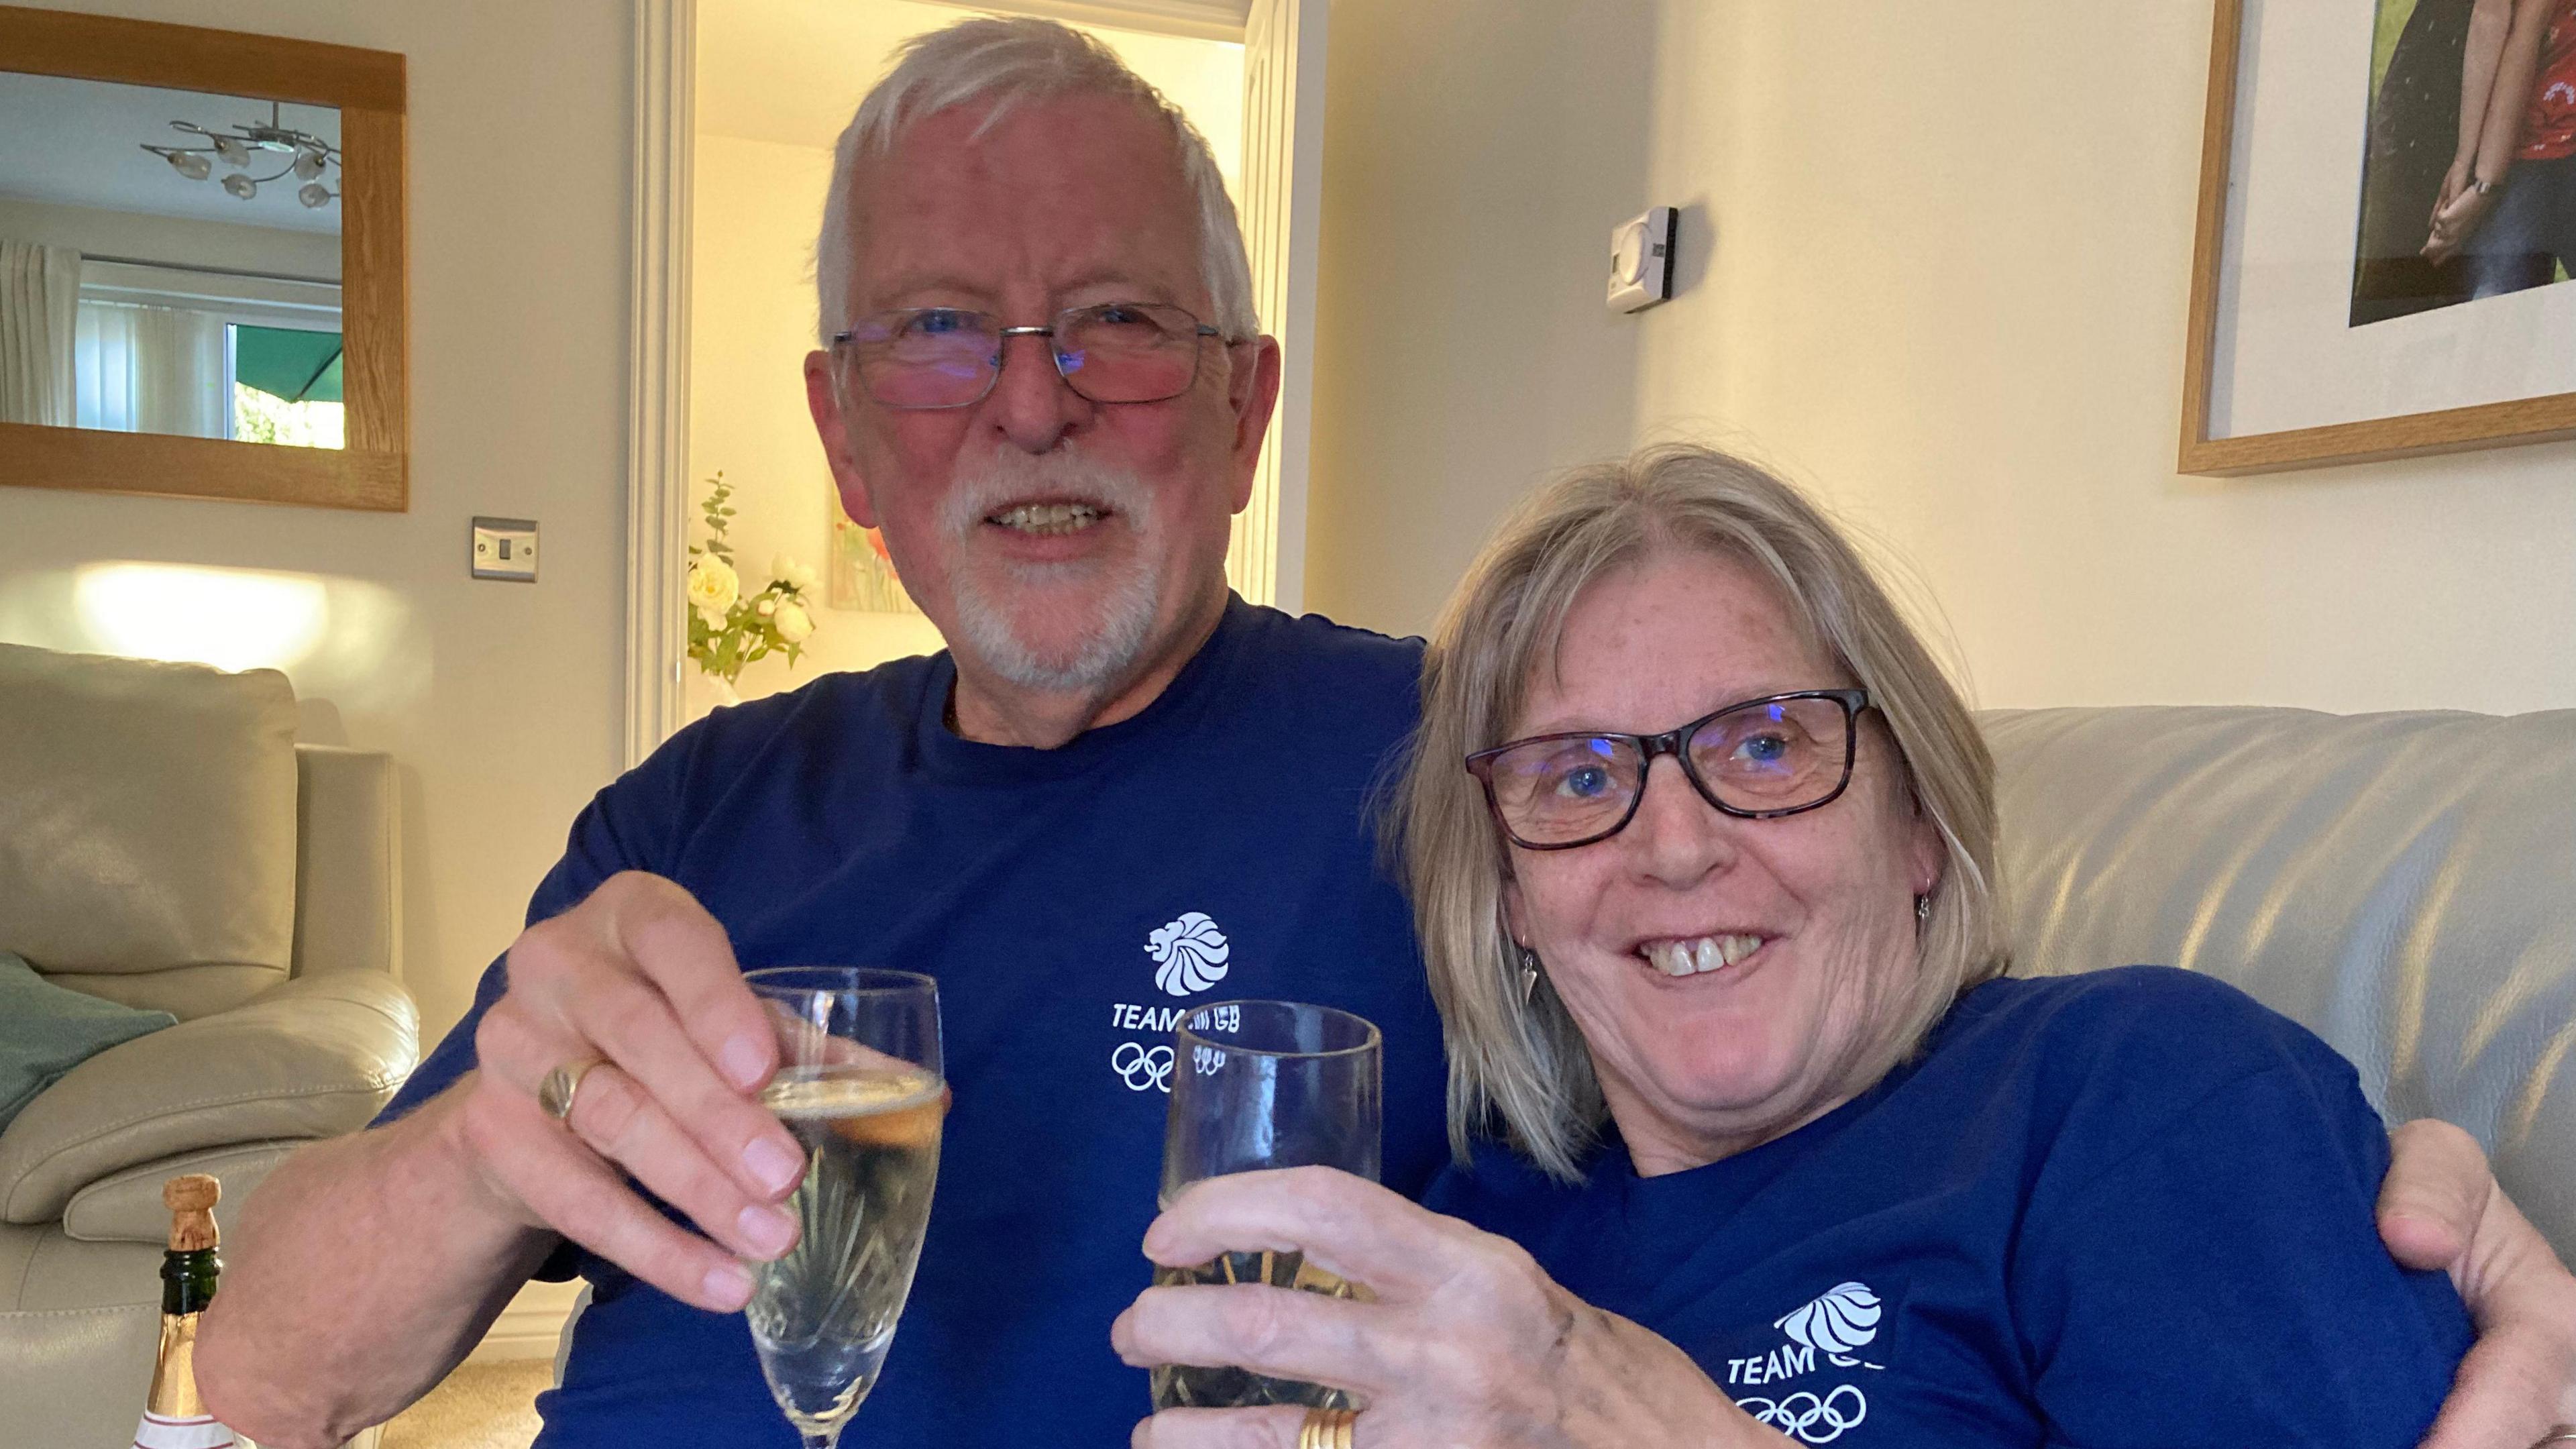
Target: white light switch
(505, 548)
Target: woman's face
(1699, 1065)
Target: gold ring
(1326, 1429)
(555, 1093)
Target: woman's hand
(1467, 1341)
(2457, 220)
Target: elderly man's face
(1060, 543)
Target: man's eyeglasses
(1757, 760)
(946, 357)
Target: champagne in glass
(1260, 1084)
(861, 1091)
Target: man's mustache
(1008, 476)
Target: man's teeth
(1048, 517)
(1707, 953)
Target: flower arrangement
(727, 628)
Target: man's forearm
(361, 1272)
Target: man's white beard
(980, 588)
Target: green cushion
(46, 1030)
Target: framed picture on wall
(2387, 229)
(859, 574)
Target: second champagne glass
(1261, 1084)
(862, 1090)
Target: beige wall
(1476, 155)
(500, 701)
(170, 238)
(1947, 288)
(1958, 307)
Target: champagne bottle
(174, 1417)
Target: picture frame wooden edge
(370, 89)
(2512, 423)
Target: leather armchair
(2404, 885)
(164, 843)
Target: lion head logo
(1189, 954)
(1843, 1319)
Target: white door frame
(1281, 205)
(657, 405)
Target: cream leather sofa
(165, 843)
(2402, 884)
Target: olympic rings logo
(1142, 1069)
(1817, 1421)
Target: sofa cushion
(2404, 885)
(46, 1030)
(314, 1057)
(147, 819)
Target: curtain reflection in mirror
(151, 370)
(39, 292)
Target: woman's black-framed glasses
(1757, 760)
(947, 357)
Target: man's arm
(2441, 1208)
(364, 1268)
(362, 1271)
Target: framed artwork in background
(2387, 226)
(857, 573)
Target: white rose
(792, 624)
(794, 575)
(765, 607)
(713, 585)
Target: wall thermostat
(1641, 260)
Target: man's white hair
(1004, 62)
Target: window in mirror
(169, 262)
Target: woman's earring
(1529, 974)
(1922, 909)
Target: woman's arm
(2500, 133)
(2489, 20)
(1466, 1341)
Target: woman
(1786, 1161)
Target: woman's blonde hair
(1523, 1067)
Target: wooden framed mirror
(175, 317)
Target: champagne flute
(861, 1089)
(1260, 1084)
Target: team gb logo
(1837, 1324)
(1189, 954)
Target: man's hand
(642, 979)
(2440, 1208)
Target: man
(1043, 380)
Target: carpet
(480, 1406)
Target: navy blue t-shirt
(1071, 902)
(2126, 1208)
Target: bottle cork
(191, 1200)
